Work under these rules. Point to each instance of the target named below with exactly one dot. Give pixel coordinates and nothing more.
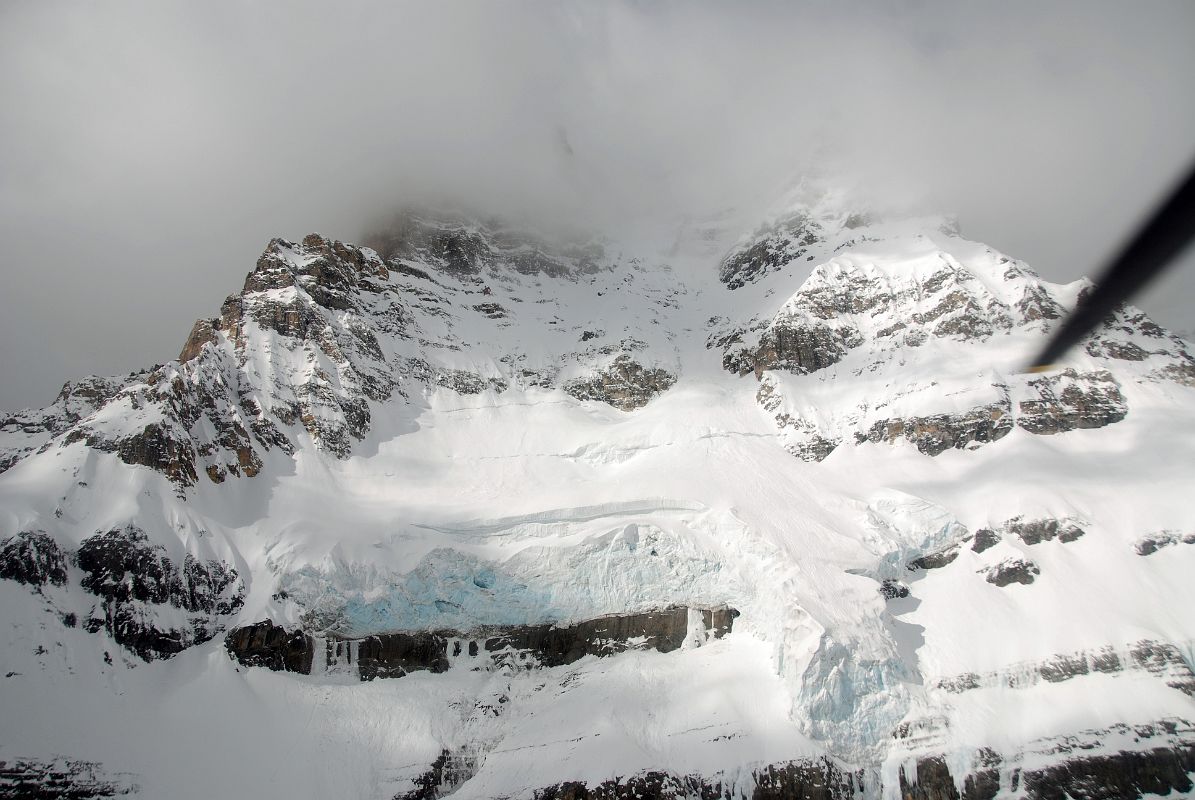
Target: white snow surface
(520, 504)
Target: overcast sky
(148, 151)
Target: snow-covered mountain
(479, 511)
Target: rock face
(1013, 570)
(985, 539)
(1166, 662)
(121, 565)
(1162, 660)
(798, 347)
(819, 779)
(397, 654)
(202, 333)
(140, 590)
(854, 317)
(937, 434)
(61, 779)
(1120, 776)
(319, 332)
(983, 783)
(1148, 545)
(271, 646)
(1126, 775)
(657, 630)
(394, 655)
(772, 249)
(440, 779)
(34, 559)
(1070, 401)
(625, 384)
(27, 431)
(1035, 531)
(200, 416)
(467, 248)
(135, 580)
(935, 560)
(933, 781)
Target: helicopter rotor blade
(1156, 246)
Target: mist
(150, 150)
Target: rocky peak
(467, 248)
(891, 318)
(771, 248)
(810, 222)
(323, 329)
(326, 269)
(27, 431)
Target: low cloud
(150, 150)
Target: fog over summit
(151, 150)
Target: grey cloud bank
(149, 150)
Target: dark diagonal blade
(1154, 247)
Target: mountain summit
(473, 510)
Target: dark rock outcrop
(61, 779)
(1126, 775)
(893, 590)
(801, 347)
(1160, 659)
(159, 446)
(932, 781)
(131, 576)
(1062, 668)
(33, 558)
(1148, 545)
(1013, 570)
(935, 560)
(136, 628)
(463, 249)
(656, 630)
(202, 333)
(207, 415)
(625, 384)
(271, 646)
(1036, 304)
(813, 448)
(773, 248)
(26, 431)
(985, 539)
(443, 777)
(121, 565)
(1123, 351)
(938, 433)
(393, 655)
(491, 310)
(1165, 661)
(815, 779)
(1035, 531)
(983, 783)
(1070, 401)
